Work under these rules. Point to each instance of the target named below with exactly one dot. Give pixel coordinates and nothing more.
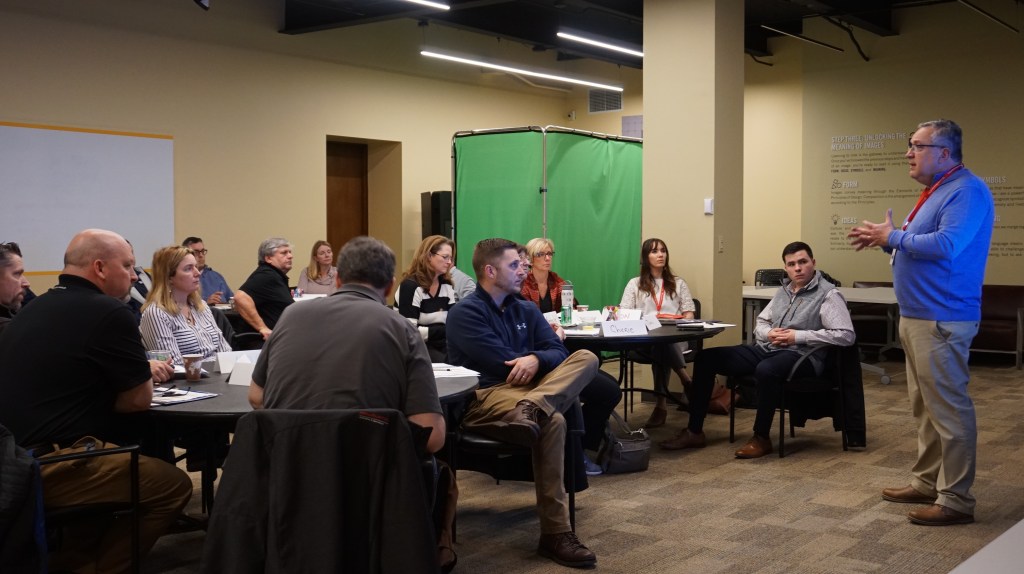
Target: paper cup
(193, 367)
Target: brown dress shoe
(566, 549)
(938, 515)
(907, 494)
(656, 419)
(756, 447)
(685, 439)
(520, 426)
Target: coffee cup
(193, 367)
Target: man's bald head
(92, 244)
(102, 257)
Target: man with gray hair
(12, 282)
(265, 294)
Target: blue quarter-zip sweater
(940, 258)
(482, 336)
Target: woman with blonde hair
(320, 276)
(542, 285)
(175, 318)
(659, 291)
(426, 293)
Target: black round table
(664, 335)
(217, 416)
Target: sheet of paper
(444, 370)
(226, 361)
(242, 373)
(172, 395)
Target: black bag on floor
(624, 450)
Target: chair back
(769, 277)
(322, 491)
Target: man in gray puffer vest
(806, 314)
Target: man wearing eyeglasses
(212, 284)
(938, 260)
(12, 282)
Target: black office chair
(629, 359)
(468, 450)
(769, 277)
(814, 397)
(57, 518)
(830, 279)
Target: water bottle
(567, 299)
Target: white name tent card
(652, 321)
(623, 328)
(226, 361)
(242, 373)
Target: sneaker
(567, 550)
(591, 467)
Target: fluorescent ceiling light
(804, 38)
(512, 70)
(599, 44)
(437, 5)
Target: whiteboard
(55, 182)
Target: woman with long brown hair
(426, 293)
(658, 290)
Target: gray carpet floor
(818, 510)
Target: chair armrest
(804, 357)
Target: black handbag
(625, 450)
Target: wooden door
(346, 192)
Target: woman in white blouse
(657, 290)
(175, 318)
(321, 275)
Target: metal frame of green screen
(612, 240)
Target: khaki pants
(163, 492)
(947, 432)
(554, 394)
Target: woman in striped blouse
(175, 318)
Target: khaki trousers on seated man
(554, 394)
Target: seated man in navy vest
(806, 312)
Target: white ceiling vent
(605, 101)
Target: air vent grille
(605, 101)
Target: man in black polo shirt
(12, 282)
(265, 294)
(71, 361)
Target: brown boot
(519, 426)
(566, 549)
(756, 447)
(685, 439)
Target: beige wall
(250, 127)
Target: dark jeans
(599, 399)
(770, 370)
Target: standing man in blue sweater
(527, 380)
(938, 261)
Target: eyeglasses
(199, 251)
(10, 247)
(920, 147)
(545, 254)
(446, 258)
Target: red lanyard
(661, 296)
(928, 193)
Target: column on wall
(693, 146)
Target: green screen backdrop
(593, 202)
